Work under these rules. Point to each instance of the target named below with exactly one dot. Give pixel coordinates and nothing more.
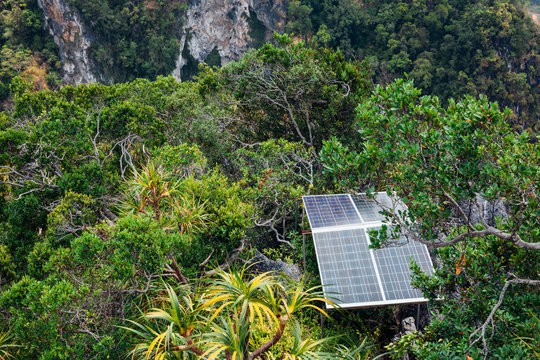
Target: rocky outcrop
(272, 13)
(224, 26)
(491, 210)
(221, 27)
(73, 40)
(261, 264)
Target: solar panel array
(351, 273)
(327, 211)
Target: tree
(450, 48)
(278, 172)
(26, 48)
(294, 94)
(462, 172)
(289, 91)
(134, 39)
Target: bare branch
(489, 230)
(266, 346)
(460, 210)
(233, 256)
(482, 329)
(174, 271)
(205, 262)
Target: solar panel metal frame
(365, 226)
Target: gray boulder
(261, 264)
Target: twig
(489, 320)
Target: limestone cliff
(73, 40)
(225, 27)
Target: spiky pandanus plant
(169, 330)
(190, 215)
(152, 187)
(6, 347)
(218, 322)
(155, 192)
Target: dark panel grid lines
(331, 210)
(393, 263)
(346, 267)
(352, 274)
(370, 208)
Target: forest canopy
(450, 48)
(129, 213)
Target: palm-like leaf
(190, 215)
(231, 290)
(229, 335)
(298, 297)
(221, 319)
(150, 186)
(5, 346)
(360, 352)
(180, 316)
(307, 349)
(183, 312)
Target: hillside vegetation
(127, 211)
(27, 49)
(135, 39)
(449, 47)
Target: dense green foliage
(453, 167)
(239, 307)
(25, 48)
(104, 188)
(449, 47)
(134, 39)
(118, 199)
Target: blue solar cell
(353, 274)
(393, 264)
(371, 208)
(347, 271)
(330, 210)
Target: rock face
(261, 263)
(73, 39)
(224, 26)
(221, 27)
(408, 325)
(491, 210)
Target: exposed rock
(221, 27)
(224, 26)
(535, 17)
(408, 325)
(261, 264)
(73, 39)
(491, 210)
(272, 13)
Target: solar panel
(352, 273)
(346, 266)
(371, 209)
(330, 210)
(393, 264)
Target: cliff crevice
(225, 27)
(73, 39)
